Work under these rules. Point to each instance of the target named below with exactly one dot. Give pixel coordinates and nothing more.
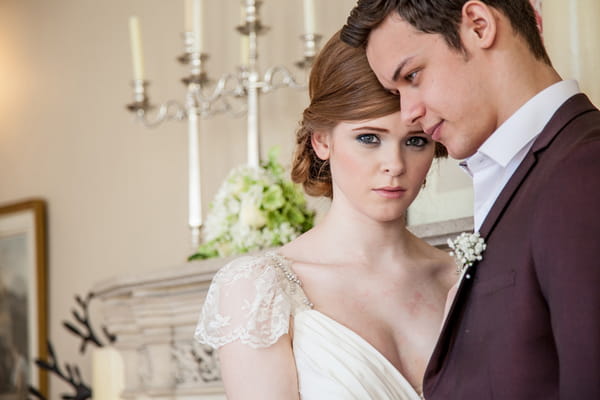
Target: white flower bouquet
(255, 208)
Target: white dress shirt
(499, 156)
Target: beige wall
(117, 192)
(571, 34)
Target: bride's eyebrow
(370, 128)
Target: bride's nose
(393, 163)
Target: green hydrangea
(255, 208)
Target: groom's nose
(412, 108)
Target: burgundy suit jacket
(526, 325)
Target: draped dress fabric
(252, 299)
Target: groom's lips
(434, 131)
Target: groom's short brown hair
(442, 17)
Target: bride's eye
(368, 138)
(417, 141)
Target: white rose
(250, 215)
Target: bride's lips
(434, 131)
(390, 192)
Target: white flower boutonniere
(466, 249)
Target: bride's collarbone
(389, 312)
(391, 295)
(362, 288)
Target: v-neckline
(365, 343)
(350, 331)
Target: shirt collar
(526, 123)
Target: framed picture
(23, 325)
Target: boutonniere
(467, 248)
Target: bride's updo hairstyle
(341, 87)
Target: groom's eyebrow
(399, 69)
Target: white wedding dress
(252, 300)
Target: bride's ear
(321, 144)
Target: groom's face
(441, 89)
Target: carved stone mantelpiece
(154, 316)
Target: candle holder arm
(229, 86)
(171, 110)
(279, 77)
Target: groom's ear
(321, 144)
(478, 26)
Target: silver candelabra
(236, 93)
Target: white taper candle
(309, 16)
(136, 48)
(108, 379)
(197, 16)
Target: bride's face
(377, 166)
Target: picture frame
(23, 298)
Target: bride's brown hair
(341, 87)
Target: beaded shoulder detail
(284, 264)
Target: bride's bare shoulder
(303, 246)
(440, 263)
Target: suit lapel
(506, 194)
(572, 108)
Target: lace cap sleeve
(248, 300)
